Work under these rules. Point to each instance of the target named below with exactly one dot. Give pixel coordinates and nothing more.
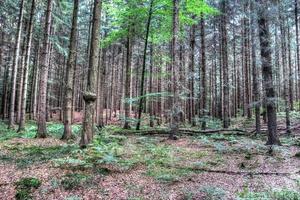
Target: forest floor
(208, 167)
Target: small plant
(25, 186)
(72, 181)
(213, 193)
(73, 198)
(282, 194)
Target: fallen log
(247, 173)
(183, 131)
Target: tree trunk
(297, 52)
(90, 93)
(128, 79)
(69, 75)
(266, 59)
(142, 98)
(226, 120)
(26, 67)
(255, 74)
(42, 129)
(203, 75)
(176, 112)
(15, 67)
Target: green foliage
(72, 181)
(206, 192)
(73, 197)
(56, 129)
(28, 155)
(25, 186)
(167, 175)
(213, 193)
(281, 194)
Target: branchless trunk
(128, 78)
(226, 120)
(15, 67)
(191, 103)
(297, 52)
(26, 67)
(266, 60)
(42, 131)
(255, 73)
(141, 100)
(69, 76)
(90, 93)
(203, 75)
(285, 73)
(176, 112)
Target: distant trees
(159, 62)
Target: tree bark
(26, 68)
(266, 59)
(90, 93)
(69, 75)
(142, 98)
(15, 67)
(203, 75)
(42, 129)
(255, 81)
(226, 120)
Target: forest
(149, 99)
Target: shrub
(24, 188)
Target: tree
(26, 66)
(15, 67)
(266, 60)
(255, 71)
(42, 129)
(224, 55)
(141, 101)
(68, 101)
(203, 92)
(89, 95)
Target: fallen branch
(183, 131)
(238, 172)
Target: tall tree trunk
(247, 106)
(142, 98)
(297, 52)
(128, 79)
(26, 67)
(266, 59)
(290, 77)
(69, 75)
(176, 112)
(255, 74)
(203, 75)
(285, 71)
(34, 84)
(191, 103)
(90, 93)
(226, 120)
(15, 67)
(42, 129)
